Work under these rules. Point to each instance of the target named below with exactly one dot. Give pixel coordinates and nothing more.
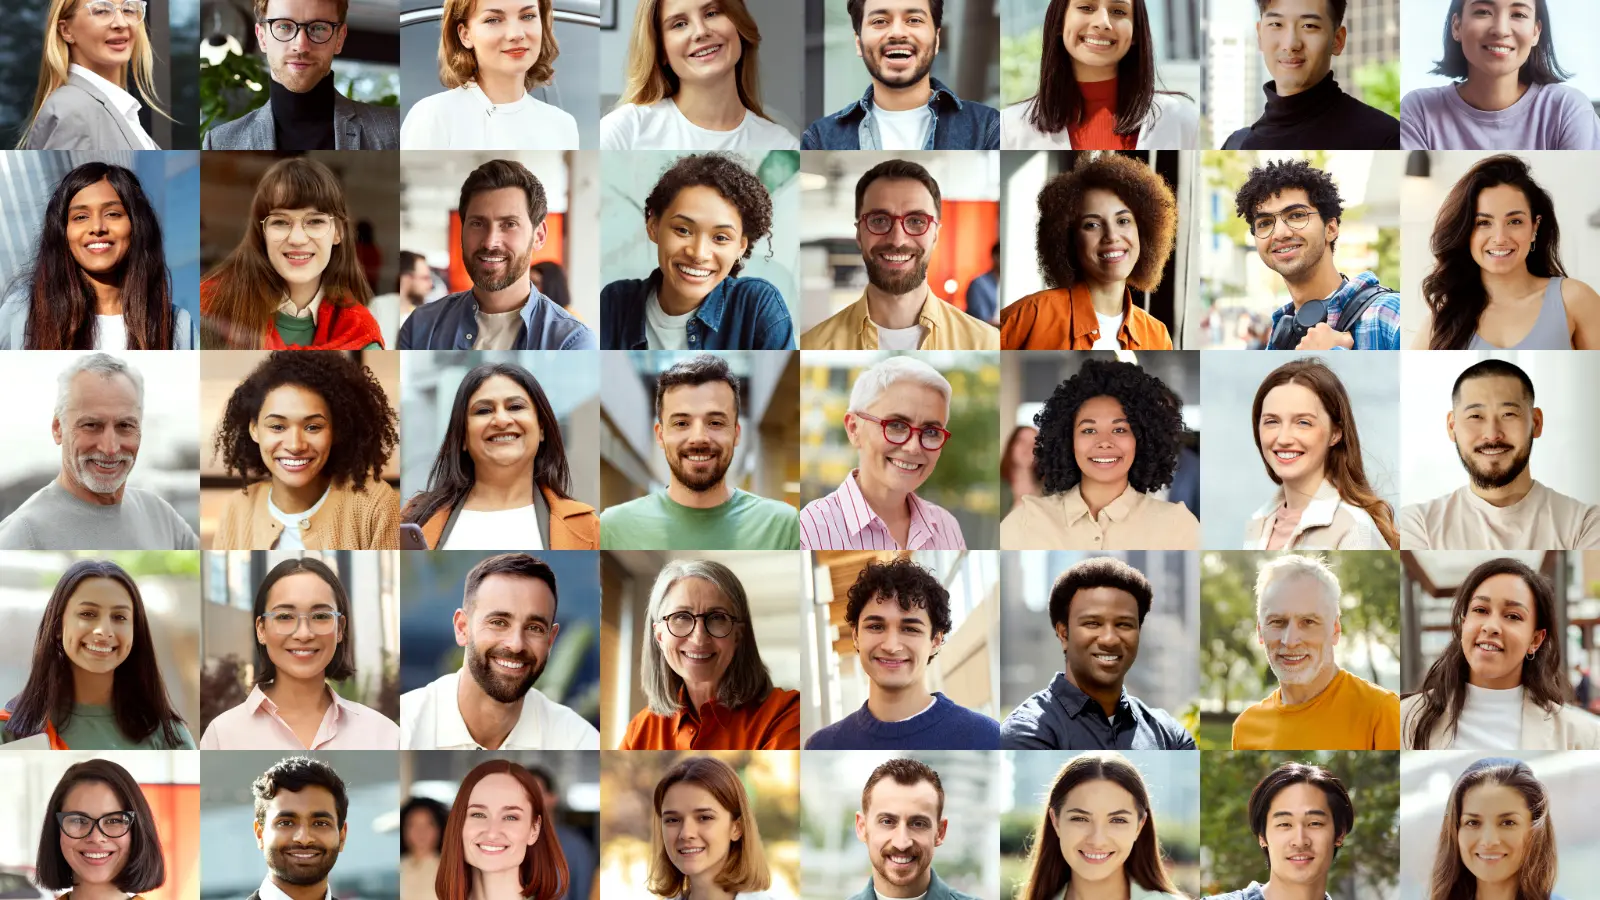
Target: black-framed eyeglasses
(914, 224)
(718, 624)
(286, 30)
(284, 623)
(1296, 217)
(899, 431)
(79, 825)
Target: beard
(700, 483)
(301, 873)
(919, 866)
(102, 484)
(502, 686)
(1488, 479)
(874, 63)
(517, 269)
(1305, 675)
(302, 81)
(896, 283)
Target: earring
(1531, 653)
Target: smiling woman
(99, 837)
(82, 101)
(705, 839)
(1497, 838)
(500, 841)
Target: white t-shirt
(111, 333)
(1109, 326)
(126, 105)
(664, 332)
(660, 126)
(1461, 520)
(1490, 720)
(903, 129)
(293, 522)
(497, 331)
(496, 530)
(901, 338)
(466, 119)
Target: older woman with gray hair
(898, 412)
(705, 685)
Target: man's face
(508, 634)
(897, 41)
(99, 432)
(1100, 637)
(1286, 250)
(1299, 628)
(1493, 425)
(894, 644)
(897, 262)
(498, 238)
(1298, 43)
(1300, 839)
(301, 835)
(301, 63)
(901, 828)
(698, 431)
(415, 284)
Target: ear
(1061, 635)
(851, 426)
(253, 434)
(261, 41)
(555, 629)
(1538, 640)
(540, 234)
(1263, 842)
(1339, 39)
(737, 431)
(1338, 436)
(1331, 230)
(861, 820)
(1538, 421)
(1051, 815)
(338, 40)
(736, 832)
(258, 821)
(859, 54)
(461, 35)
(462, 622)
(1259, 639)
(61, 28)
(1455, 27)
(338, 231)
(938, 641)
(261, 632)
(944, 825)
(650, 226)
(1538, 31)
(533, 833)
(55, 430)
(344, 833)
(659, 442)
(1338, 629)
(1450, 425)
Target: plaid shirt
(1378, 327)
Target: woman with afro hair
(1108, 436)
(1105, 227)
(308, 433)
(704, 216)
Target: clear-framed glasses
(898, 431)
(1296, 217)
(104, 10)
(718, 624)
(286, 30)
(284, 623)
(914, 224)
(278, 227)
(78, 825)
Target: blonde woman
(82, 102)
(491, 54)
(693, 82)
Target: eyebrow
(1515, 403)
(1087, 421)
(1288, 813)
(1514, 212)
(96, 604)
(1098, 216)
(691, 221)
(1508, 602)
(906, 418)
(696, 809)
(286, 418)
(518, 807)
(1274, 14)
(320, 604)
(1278, 212)
(507, 615)
(910, 617)
(1114, 812)
(117, 202)
(880, 211)
(314, 814)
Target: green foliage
(1388, 248)
(142, 563)
(1019, 65)
(1379, 85)
(225, 88)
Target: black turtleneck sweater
(1323, 118)
(304, 121)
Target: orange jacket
(772, 724)
(1064, 319)
(56, 743)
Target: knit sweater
(946, 726)
(368, 519)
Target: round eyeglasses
(284, 623)
(278, 228)
(78, 825)
(286, 30)
(1296, 218)
(899, 431)
(914, 224)
(102, 11)
(718, 624)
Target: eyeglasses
(914, 224)
(278, 228)
(101, 11)
(286, 30)
(1295, 217)
(898, 431)
(718, 624)
(78, 825)
(322, 621)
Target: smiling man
(1317, 705)
(1493, 424)
(1097, 609)
(98, 424)
(301, 824)
(899, 617)
(1300, 815)
(507, 623)
(902, 823)
(1305, 107)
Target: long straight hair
(240, 296)
(1444, 688)
(61, 302)
(1344, 467)
(746, 682)
(1537, 878)
(453, 473)
(543, 873)
(139, 698)
(1048, 872)
(57, 57)
(650, 77)
(1058, 105)
(1454, 290)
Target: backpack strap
(1353, 310)
(56, 743)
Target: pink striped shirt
(843, 521)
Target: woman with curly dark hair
(1108, 436)
(1104, 227)
(302, 488)
(705, 215)
(1497, 281)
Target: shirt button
(469, 336)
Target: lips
(1293, 659)
(1301, 859)
(706, 53)
(1492, 450)
(101, 650)
(104, 466)
(1113, 256)
(1500, 51)
(1104, 462)
(1097, 44)
(292, 464)
(900, 53)
(303, 855)
(891, 663)
(1283, 250)
(1095, 857)
(1108, 659)
(305, 653)
(1498, 254)
(298, 258)
(491, 259)
(903, 465)
(696, 657)
(96, 857)
(119, 43)
(99, 246)
(896, 258)
(1292, 62)
(693, 273)
(516, 53)
(504, 437)
(691, 851)
(492, 849)
(508, 665)
(699, 457)
(899, 859)
(1489, 647)
(1490, 858)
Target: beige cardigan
(368, 519)
(1568, 728)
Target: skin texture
(1097, 35)
(97, 628)
(894, 645)
(897, 277)
(99, 434)
(98, 229)
(699, 239)
(896, 26)
(1493, 427)
(298, 258)
(1503, 230)
(505, 651)
(103, 44)
(698, 431)
(505, 38)
(1300, 839)
(420, 833)
(1493, 834)
(83, 855)
(902, 829)
(1108, 240)
(498, 239)
(689, 27)
(301, 838)
(1296, 434)
(295, 432)
(498, 408)
(911, 402)
(301, 64)
(1299, 629)
(698, 831)
(1100, 641)
(1097, 824)
(1497, 23)
(303, 655)
(700, 675)
(1498, 632)
(500, 826)
(1298, 43)
(1101, 432)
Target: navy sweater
(944, 727)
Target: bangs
(298, 184)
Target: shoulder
(1169, 511)
(1237, 138)
(1183, 111)
(769, 134)
(436, 106)
(619, 127)
(228, 134)
(1422, 101)
(767, 507)
(967, 718)
(749, 288)
(1578, 296)
(149, 501)
(552, 113)
(1565, 96)
(1368, 116)
(376, 112)
(832, 333)
(1368, 692)
(625, 290)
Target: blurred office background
(968, 61)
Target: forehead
(904, 395)
(895, 194)
(300, 589)
(514, 594)
(1300, 798)
(904, 800)
(303, 10)
(498, 790)
(293, 399)
(902, 7)
(1492, 390)
(497, 386)
(93, 797)
(888, 609)
(96, 194)
(1292, 396)
(1501, 198)
(1506, 586)
(499, 203)
(687, 795)
(1101, 201)
(695, 594)
(103, 591)
(1493, 799)
(1297, 8)
(1295, 595)
(713, 396)
(1100, 408)
(309, 799)
(1103, 600)
(703, 203)
(1284, 199)
(1099, 795)
(91, 391)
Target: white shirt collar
(270, 891)
(121, 99)
(451, 728)
(287, 307)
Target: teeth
(1484, 646)
(1288, 455)
(1106, 657)
(910, 467)
(698, 657)
(693, 272)
(1113, 255)
(491, 848)
(1097, 42)
(699, 457)
(707, 51)
(900, 860)
(101, 854)
(1103, 460)
(504, 438)
(1493, 452)
(1095, 857)
(690, 851)
(514, 665)
(896, 257)
(1497, 254)
(99, 245)
(1283, 657)
(304, 651)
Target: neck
(716, 495)
(299, 694)
(501, 87)
(501, 487)
(107, 292)
(1510, 286)
(1317, 283)
(505, 884)
(92, 688)
(1098, 495)
(714, 106)
(705, 887)
(894, 705)
(893, 311)
(1294, 694)
(1506, 682)
(672, 303)
(488, 720)
(77, 489)
(1297, 494)
(302, 293)
(893, 507)
(102, 891)
(1491, 93)
(302, 891)
(513, 296)
(1085, 74)
(1104, 889)
(899, 99)
(1107, 697)
(110, 71)
(1107, 296)
(1511, 494)
(1275, 890)
(1497, 890)
(295, 500)
(700, 693)
(1311, 86)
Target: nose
(108, 444)
(1101, 18)
(302, 627)
(294, 439)
(701, 247)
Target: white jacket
(1173, 123)
(1568, 728)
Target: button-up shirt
(1379, 325)
(772, 724)
(1064, 319)
(948, 328)
(1133, 521)
(738, 314)
(270, 891)
(430, 719)
(937, 890)
(843, 521)
(256, 724)
(287, 307)
(957, 125)
(451, 323)
(1062, 717)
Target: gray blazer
(77, 116)
(356, 126)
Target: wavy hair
(543, 873)
(458, 65)
(1451, 880)
(1149, 198)
(745, 682)
(650, 77)
(57, 57)
(1058, 104)
(736, 185)
(745, 870)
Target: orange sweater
(773, 724)
(1097, 130)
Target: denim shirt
(738, 314)
(451, 323)
(937, 890)
(957, 125)
(14, 325)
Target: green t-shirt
(657, 522)
(95, 728)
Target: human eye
(476, 814)
(120, 617)
(874, 626)
(277, 222)
(680, 230)
(88, 614)
(322, 616)
(283, 617)
(669, 820)
(491, 20)
(917, 221)
(879, 222)
(497, 622)
(1125, 220)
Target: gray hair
(746, 680)
(871, 384)
(103, 364)
(1292, 566)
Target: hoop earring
(1530, 655)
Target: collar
(710, 310)
(1084, 322)
(315, 105)
(287, 307)
(1117, 510)
(301, 517)
(524, 312)
(270, 891)
(1304, 105)
(1072, 698)
(450, 727)
(939, 96)
(931, 316)
(120, 98)
(1318, 513)
(258, 701)
(489, 107)
(687, 713)
(922, 529)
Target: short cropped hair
(871, 383)
(896, 169)
(1148, 197)
(1292, 773)
(693, 372)
(857, 10)
(739, 187)
(512, 565)
(505, 173)
(296, 773)
(1492, 368)
(261, 9)
(905, 582)
(904, 772)
(1336, 10)
(103, 364)
(1101, 571)
(144, 870)
(1292, 566)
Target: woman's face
(500, 826)
(300, 243)
(699, 659)
(1499, 630)
(505, 37)
(1102, 441)
(97, 626)
(898, 469)
(1494, 832)
(99, 37)
(1503, 230)
(502, 426)
(701, 42)
(1107, 236)
(98, 228)
(1295, 432)
(1097, 35)
(1496, 36)
(1097, 824)
(419, 833)
(698, 830)
(94, 859)
(295, 432)
(699, 239)
(302, 654)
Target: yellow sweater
(1351, 714)
(368, 519)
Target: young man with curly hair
(1097, 610)
(1294, 212)
(704, 216)
(899, 617)
(1305, 108)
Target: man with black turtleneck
(1305, 107)
(304, 111)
